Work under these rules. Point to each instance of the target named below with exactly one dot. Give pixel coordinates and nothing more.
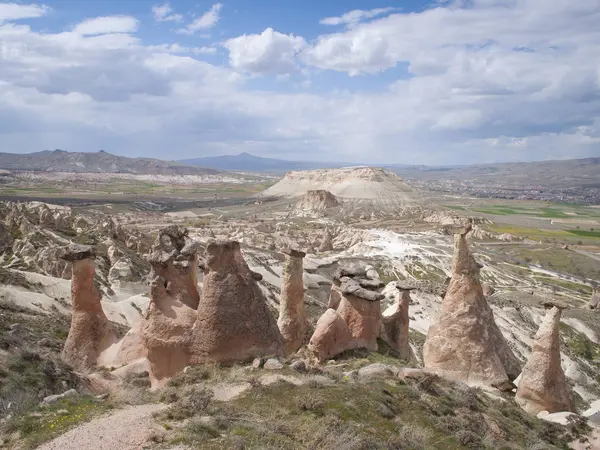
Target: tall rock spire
(464, 342)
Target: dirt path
(124, 429)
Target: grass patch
(584, 233)
(379, 415)
(581, 346)
(45, 423)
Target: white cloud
(204, 51)
(107, 25)
(475, 85)
(16, 11)
(268, 52)
(355, 16)
(205, 22)
(164, 13)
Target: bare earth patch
(129, 428)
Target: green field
(591, 233)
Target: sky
(406, 82)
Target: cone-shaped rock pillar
(91, 333)
(292, 322)
(395, 324)
(166, 327)
(464, 342)
(233, 321)
(542, 386)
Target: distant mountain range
(245, 162)
(564, 173)
(95, 162)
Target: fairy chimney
(464, 342)
(292, 322)
(91, 333)
(166, 327)
(395, 324)
(233, 320)
(543, 386)
(353, 319)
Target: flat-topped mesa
(292, 322)
(395, 323)
(353, 319)
(463, 341)
(233, 320)
(174, 297)
(542, 386)
(91, 333)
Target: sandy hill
(359, 183)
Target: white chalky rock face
(370, 184)
(542, 386)
(464, 342)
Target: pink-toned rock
(464, 342)
(233, 322)
(356, 320)
(361, 310)
(174, 297)
(331, 336)
(395, 326)
(542, 386)
(91, 333)
(130, 348)
(292, 322)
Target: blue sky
(439, 82)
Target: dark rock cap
(369, 283)
(77, 252)
(293, 252)
(352, 287)
(351, 272)
(405, 286)
(554, 303)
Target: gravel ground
(125, 429)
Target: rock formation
(595, 300)
(90, 333)
(46, 217)
(174, 297)
(331, 336)
(542, 386)
(6, 239)
(317, 201)
(464, 341)
(326, 243)
(353, 319)
(234, 322)
(292, 322)
(394, 329)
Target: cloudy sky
(426, 82)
